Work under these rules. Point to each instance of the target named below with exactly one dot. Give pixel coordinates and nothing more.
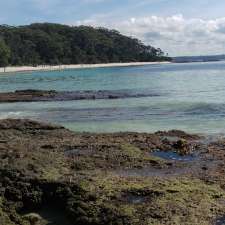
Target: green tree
(4, 54)
(55, 44)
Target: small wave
(18, 115)
(206, 108)
(7, 115)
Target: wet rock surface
(174, 156)
(43, 95)
(50, 175)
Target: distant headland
(206, 58)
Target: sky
(178, 27)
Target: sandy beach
(13, 69)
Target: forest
(55, 44)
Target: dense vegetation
(55, 44)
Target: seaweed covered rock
(33, 218)
(51, 175)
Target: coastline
(15, 69)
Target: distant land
(56, 44)
(209, 58)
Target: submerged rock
(31, 95)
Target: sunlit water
(190, 97)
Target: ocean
(188, 97)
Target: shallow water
(173, 156)
(190, 97)
(220, 220)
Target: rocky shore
(50, 175)
(31, 95)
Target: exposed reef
(50, 175)
(43, 95)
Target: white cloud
(94, 1)
(174, 34)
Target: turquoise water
(190, 97)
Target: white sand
(14, 69)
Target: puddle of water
(220, 220)
(171, 138)
(73, 152)
(77, 152)
(135, 199)
(173, 156)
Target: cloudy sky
(179, 27)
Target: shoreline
(16, 69)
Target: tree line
(55, 44)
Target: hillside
(55, 44)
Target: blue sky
(180, 27)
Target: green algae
(86, 189)
(174, 201)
